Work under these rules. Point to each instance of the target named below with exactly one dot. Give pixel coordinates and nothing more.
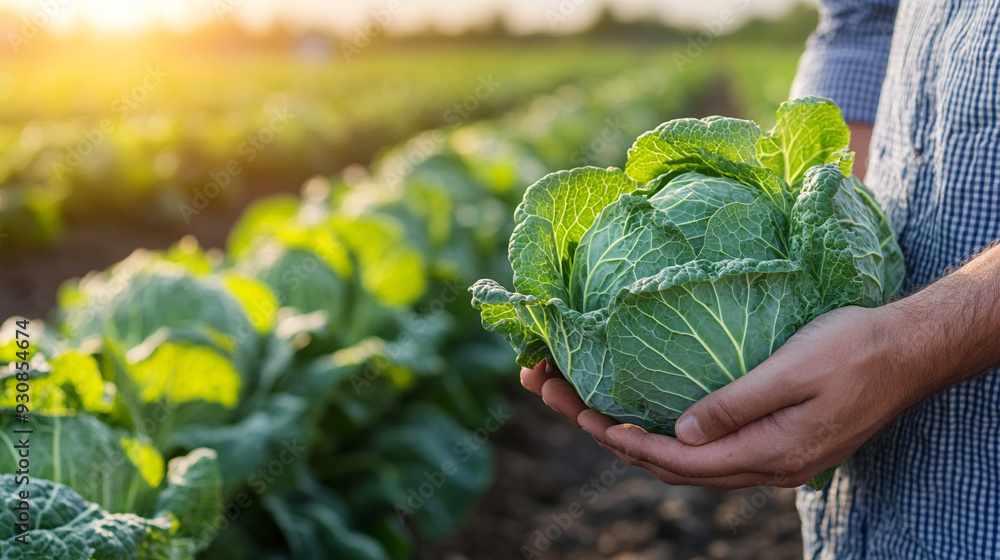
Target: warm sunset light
(342, 15)
(127, 15)
(269, 268)
(110, 15)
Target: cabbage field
(302, 376)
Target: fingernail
(689, 430)
(612, 434)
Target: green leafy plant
(169, 521)
(332, 327)
(654, 286)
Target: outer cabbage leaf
(575, 341)
(179, 372)
(809, 131)
(499, 315)
(551, 220)
(92, 458)
(243, 445)
(66, 526)
(836, 239)
(689, 330)
(654, 152)
(893, 268)
(62, 386)
(299, 279)
(192, 498)
(259, 303)
(264, 218)
(389, 268)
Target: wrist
(901, 346)
(915, 350)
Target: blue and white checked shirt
(928, 487)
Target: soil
(30, 277)
(558, 496)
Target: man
(900, 395)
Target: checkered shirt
(927, 72)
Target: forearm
(861, 137)
(948, 331)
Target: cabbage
(654, 286)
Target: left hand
(809, 406)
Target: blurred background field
(380, 175)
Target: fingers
(596, 424)
(756, 449)
(740, 439)
(744, 480)
(556, 392)
(751, 397)
(534, 378)
(728, 463)
(561, 397)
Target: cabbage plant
(654, 286)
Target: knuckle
(725, 414)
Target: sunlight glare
(130, 15)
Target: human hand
(826, 391)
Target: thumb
(758, 393)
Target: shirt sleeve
(846, 57)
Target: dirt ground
(558, 496)
(30, 277)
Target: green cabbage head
(654, 286)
